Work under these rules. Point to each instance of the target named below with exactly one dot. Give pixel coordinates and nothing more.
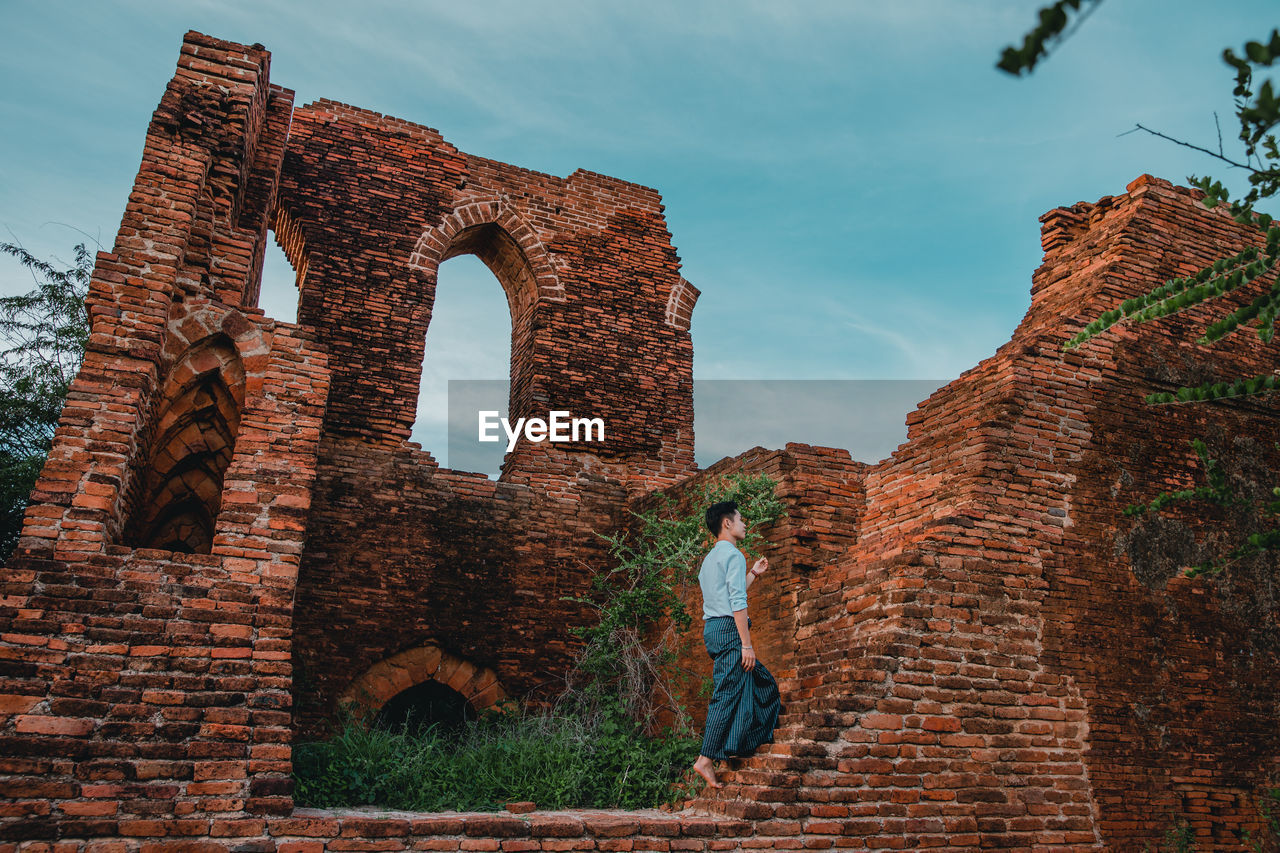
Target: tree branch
(1176, 141)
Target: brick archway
(194, 439)
(447, 240)
(428, 662)
(508, 246)
(211, 365)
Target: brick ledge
(371, 822)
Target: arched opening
(278, 292)
(469, 339)
(191, 448)
(425, 705)
(406, 679)
(511, 250)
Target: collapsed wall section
(402, 554)
(202, 464)
(1180, 674)
(1011, 662)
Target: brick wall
(402, 553)
(147, 692)
(600, 316)
(984, 665)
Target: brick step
(796, 747)
(739, 808)
(806, 733)
(763, 778)
(750, 769)
(781, 737)
(795, 763)
(819, 720)
(743, 803)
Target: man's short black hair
(717, 513)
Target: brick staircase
(782, 778)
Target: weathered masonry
(232, 533)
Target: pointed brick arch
(212, 361)
(198, 319)
(442, 242)
(508, 246)
(194, 439)
(428, 662)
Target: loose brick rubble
(232, 532)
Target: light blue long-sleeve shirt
(723, 578)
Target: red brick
(30, 724)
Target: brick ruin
(232, 531)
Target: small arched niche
(411, 680)
(426, 705)
(193, 441)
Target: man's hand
(761, 566)
(748, 659)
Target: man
(744, 706)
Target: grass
(558, 761)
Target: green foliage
(1258, 112)
(556, 761)
(598, 747)
(1218, 491)
(630, 652)
(1269, 811)
(1251, 386)
(43, 333)
(1050, 28)
(1178, 294)
(1180, 838)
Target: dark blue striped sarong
(744, 706)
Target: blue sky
(852, 185)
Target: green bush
(558, 761)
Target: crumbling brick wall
(1000, 658)
(600, 315)
(198, 425)
(474, 566)
(976, 649)
(140, 686)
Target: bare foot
(704, 768)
